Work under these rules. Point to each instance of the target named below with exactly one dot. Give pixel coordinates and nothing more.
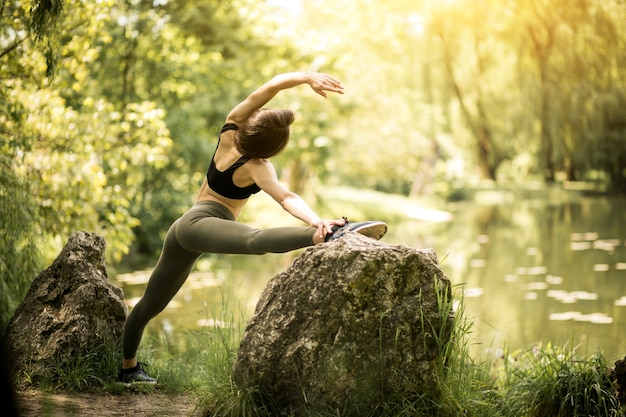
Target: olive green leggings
(207, 227)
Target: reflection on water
(548, 271)
(532, 271)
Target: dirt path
(35, 403)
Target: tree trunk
(297, 176)
(543, 47)
(478, 126)
(547, 145)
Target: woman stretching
(239, 168)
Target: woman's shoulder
(263, 163)
(259, 166)
(261, 171)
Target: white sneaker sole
(374, 230)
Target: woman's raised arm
(319, 82)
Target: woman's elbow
(287, 200)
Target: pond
(533, 270)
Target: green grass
(554, 381)
(79, 372)
(544, 381)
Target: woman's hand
(324, 227)
(320, 83)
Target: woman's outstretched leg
(199, 230)
(169, 274)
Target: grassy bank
(543, 381)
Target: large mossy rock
(70, 311)
(349, 324)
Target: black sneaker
(135, 375)
(373, 229)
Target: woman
(239, 168)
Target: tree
(505, 89)
(62, 144)
(469, 43)
(195, 60)
(577, 79)
(19, 260)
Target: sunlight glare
(292, 6)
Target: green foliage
(197, 60)
(95, 369)
(19, 260)
(449, 93)
(90, 145)
(466, 383)
(551, 381)
(44, 16)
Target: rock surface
(618, 377)
(348, 324)
(70, 309)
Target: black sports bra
(222, 181)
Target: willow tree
(474, 57)
(572, 49)
(21, 30)
(487, 89)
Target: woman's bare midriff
(207, 194)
